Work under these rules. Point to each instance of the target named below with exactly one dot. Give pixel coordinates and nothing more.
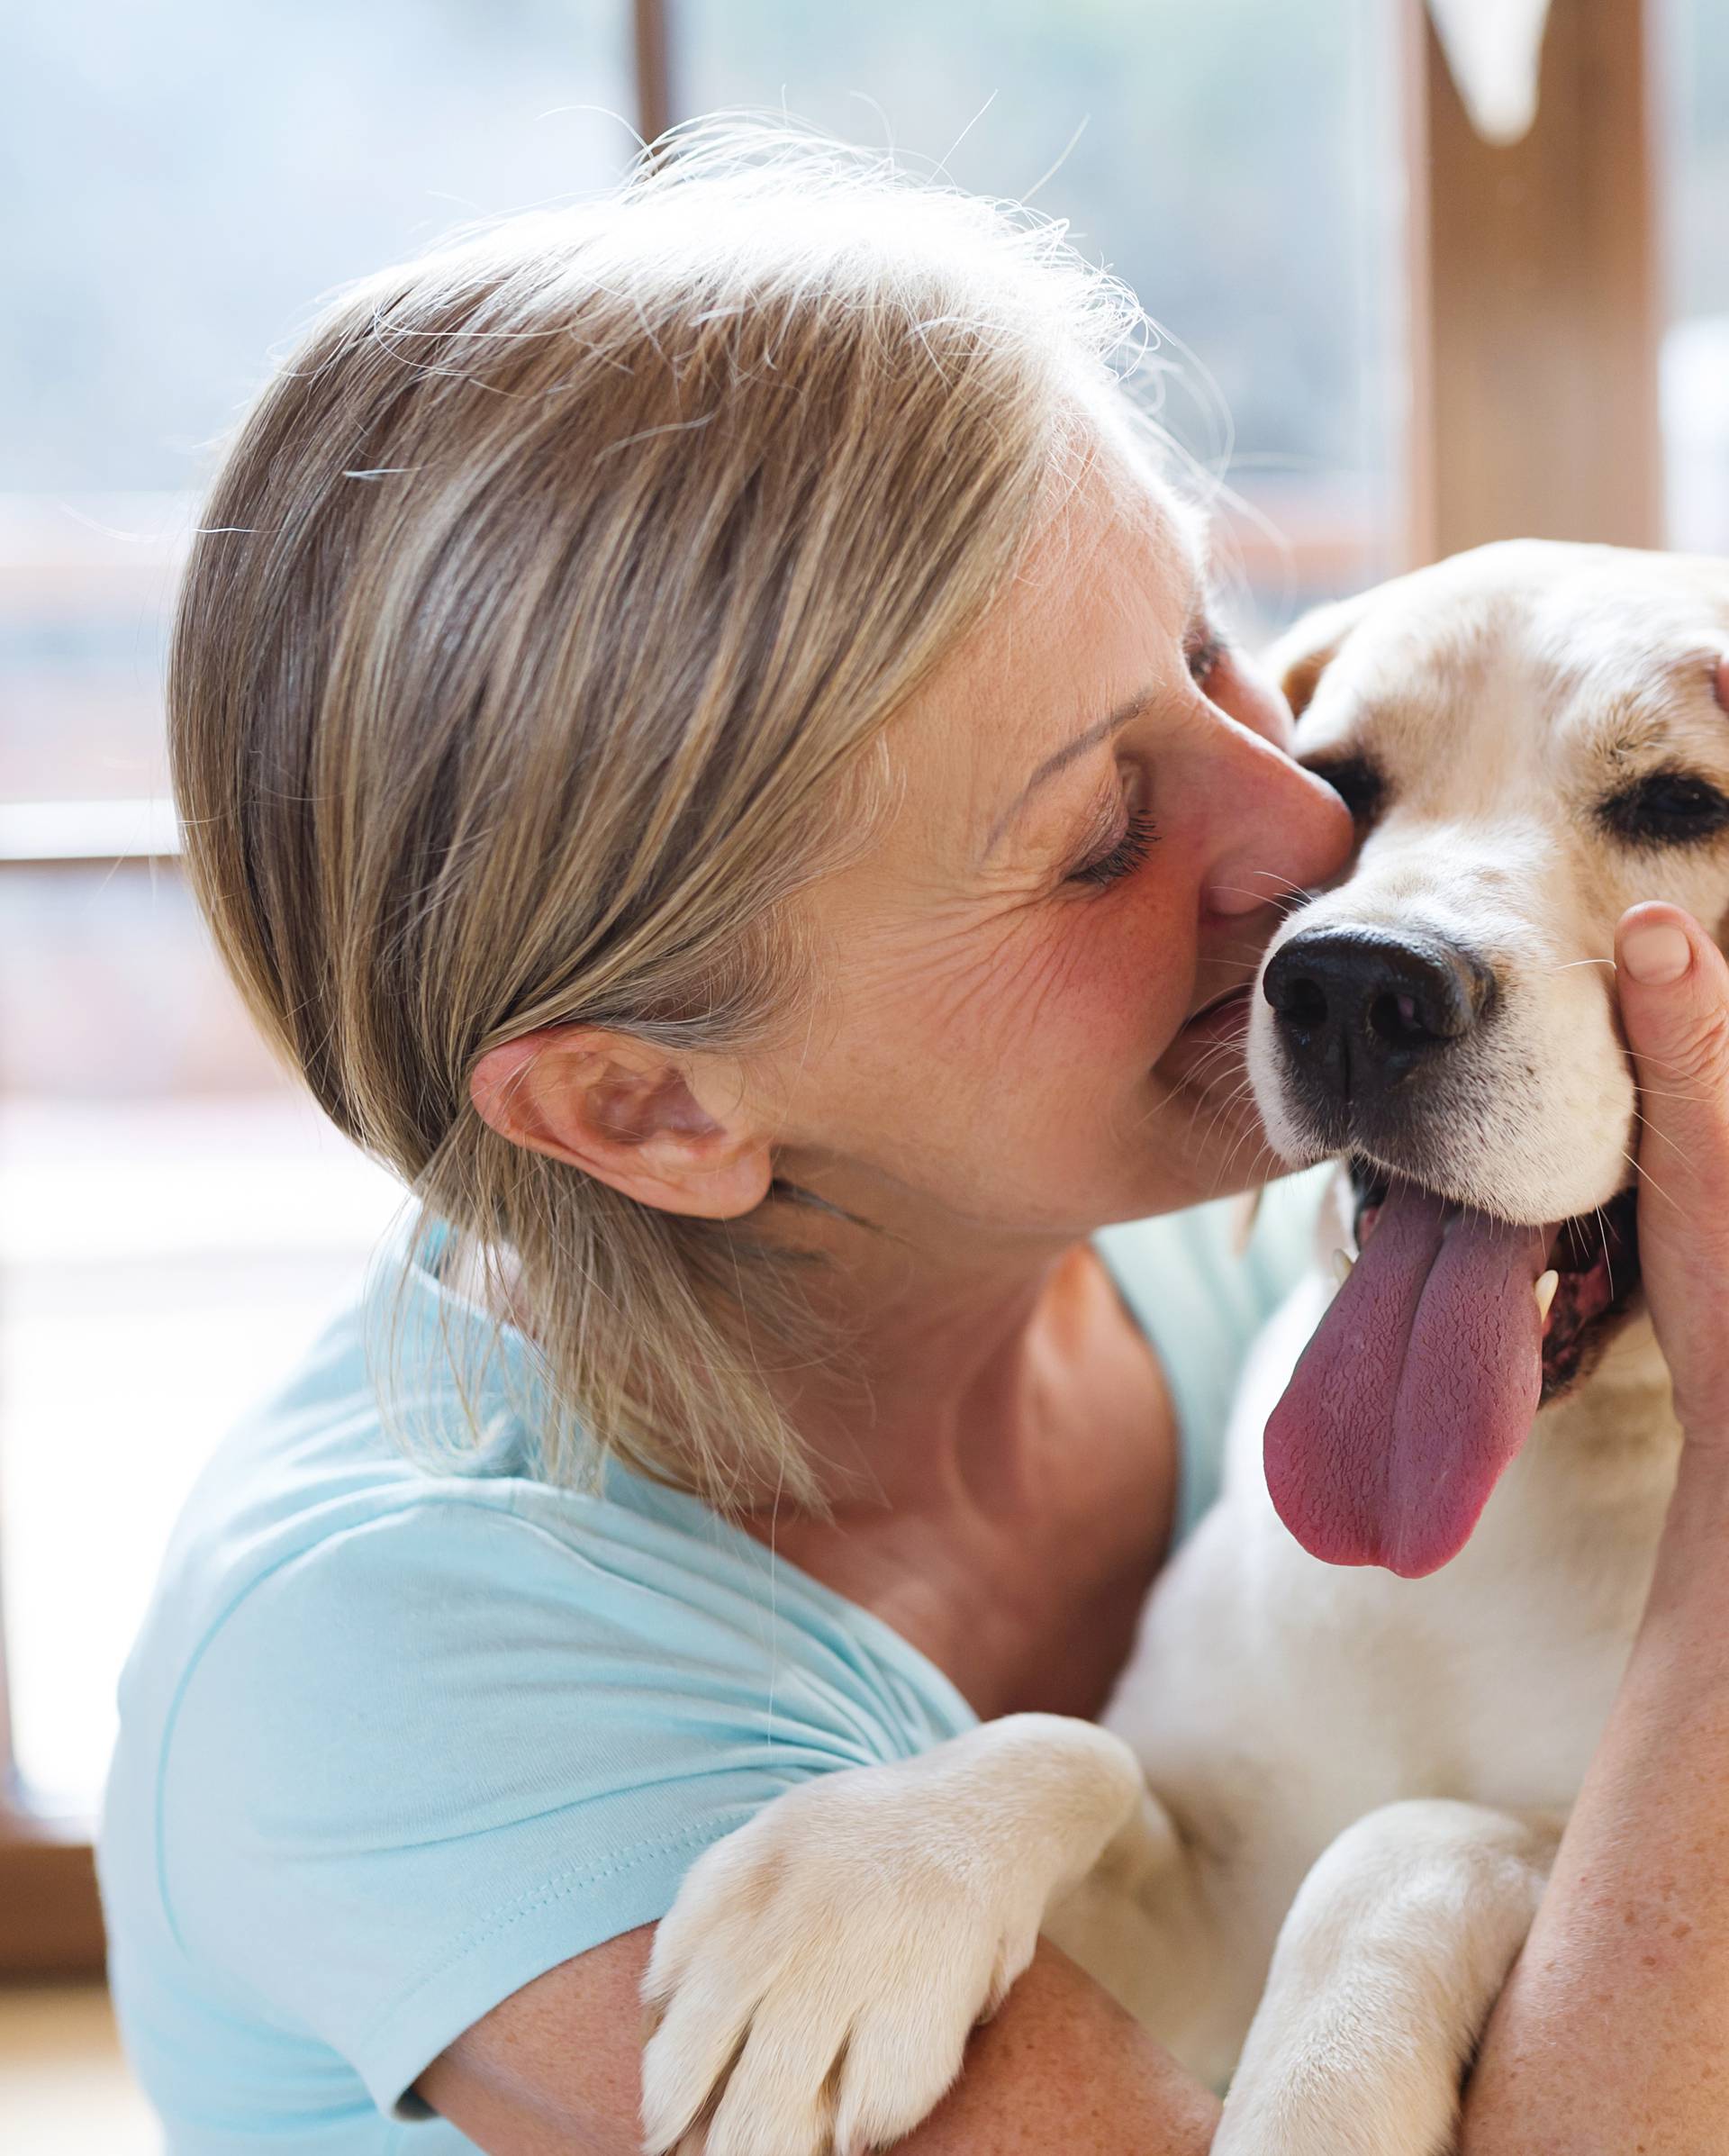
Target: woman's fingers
(1674, 990)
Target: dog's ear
(1300, 657)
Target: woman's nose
(1281, 830)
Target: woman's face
(1036, 982)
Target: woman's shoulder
(375, 1513)
(395, 1736)
(363, 1562)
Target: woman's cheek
(1103, 984)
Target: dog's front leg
(1384, 1977)
(815, 1982)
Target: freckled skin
(982, 1010)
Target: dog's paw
(815, 1984)
(1387, 1968)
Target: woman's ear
(1309, 647)
(670, 1133)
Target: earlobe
(619, 1109)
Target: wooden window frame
(1536, 299)
(1510, 431)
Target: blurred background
(1400, 320)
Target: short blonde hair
(547, 606)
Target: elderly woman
(702, 736)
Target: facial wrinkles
(932, 878)
(983, 972)
(1097, 627)
(950, 983)
(1021, 974)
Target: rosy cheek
(1127, 971)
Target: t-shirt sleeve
(435, 1754)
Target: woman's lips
(1226, 1018)
(1206, 1050)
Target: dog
(1310, 1837)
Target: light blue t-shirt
(395, 1741)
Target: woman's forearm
(1612, 2033)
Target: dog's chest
(1491, 1679)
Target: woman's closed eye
(1129, 830)
(1133, 834)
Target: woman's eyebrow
(1071, 751)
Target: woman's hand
(1674, 989)
(1612, 2031)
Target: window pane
(1234, 162)
(198, 173)
(1695, 79)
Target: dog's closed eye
(1360, 784)
(1666, 808)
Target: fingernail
(1656, 954)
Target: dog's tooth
(1343, 1262)
(1547, 1283)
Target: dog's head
(1532, 737)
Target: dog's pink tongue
(1417, 1389)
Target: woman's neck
(934, 1372)
(998, 1450)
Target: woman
(702, 735)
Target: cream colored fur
(1309, 1843)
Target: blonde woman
(703, 734)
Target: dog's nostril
(1303, 1003)
(1397, 1020)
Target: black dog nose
(1361, 1009)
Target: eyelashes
(1139, 836)
(1140, 833)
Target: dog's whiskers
(1288, 901)
(1645, 1176)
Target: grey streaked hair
(551, 607)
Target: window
(1162, 131)
(175, 1221)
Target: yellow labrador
(1309, 1841)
